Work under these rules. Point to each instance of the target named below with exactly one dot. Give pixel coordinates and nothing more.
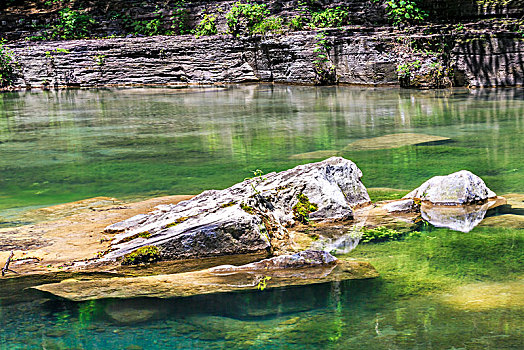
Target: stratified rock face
(461, 187)
(251, 216)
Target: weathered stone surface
(461, 187)
(482, 53)
(70, 239)
(205, 282)
(510, 214)
(359, 55)
(126, 224)
(307, 258)
(394, 141)
(248, 217)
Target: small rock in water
(462, 187)
(133, 347)
(56, 333)
(394, 141)
(403, 205)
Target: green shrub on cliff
(404, 11)
(8, 65)
(271, 24)
(72, 25)
(207, 26)
(180, 18)
(244, 17)
(331, 17)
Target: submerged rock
(316, 154)
(251, 216)
(462, 187)
(394, 141)
(307, 258)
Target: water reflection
(461, 218)
(70, 145)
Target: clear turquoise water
(62, 146)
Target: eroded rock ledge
(308, 267)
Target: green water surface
(133, 143)
(63, 146)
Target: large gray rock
(462, 187)
(251, 216)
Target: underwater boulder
(249, 217)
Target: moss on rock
(143, 255)
(303, 208)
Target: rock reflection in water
(458, 218)
(339, 245)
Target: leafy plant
(206, 26)
(324, 68)
(243, 17)
(302, 209)
(99, 59)
(379, 234)
(297, 23)
(404, 11)
(148, 28)
(258, 179)
(72, 24)
(269, 24)
(180, 18)
(262, 284)
(404, 70)
(331, 17)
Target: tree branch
(6, 268)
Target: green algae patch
(143, 255)
(380, 234)
(303, 208)
(438, 260)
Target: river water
(439, 289)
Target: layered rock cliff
(486, 49)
